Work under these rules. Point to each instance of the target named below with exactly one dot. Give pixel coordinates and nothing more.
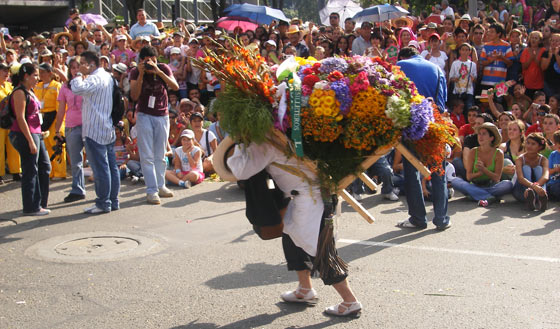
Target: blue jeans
(134, 168)
(460, 170)
(382, 169)
(415, 198)
(35, 171)
(74, 148)
(102, 160)
(152, 144)
(482, 192)
(553, 190)
(532, 175)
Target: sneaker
(40, 212)
(407, 224)
(450, 193)
(483, 203)
(185, 184)
(153, 198)
(444, 227)
(357, 196)
(391, 196)
(95, 210)
(396, 190)
(164, 192)
(531, 199)
(134, 179)
(543, 203)
(74, 197)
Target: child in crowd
(121, 151)
(463, 75)
(532, 174)
(187, 162)
(550, 125)
(553, 185)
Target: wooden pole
(357, 206)
(413, 160)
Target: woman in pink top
(25, 136)
(70, 106)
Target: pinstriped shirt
(97, 92)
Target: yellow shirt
(48, 95)
(5, 89)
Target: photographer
(148, 87)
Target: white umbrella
(380, 13)
(345, 8)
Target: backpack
(7, 117)
(118, 104)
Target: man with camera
(95, 85)
(148, 87)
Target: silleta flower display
(340, 109)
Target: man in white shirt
(363, 42)
(143, 27)
(95, 85)
(446, 11)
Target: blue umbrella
(259, 14)
(380, 13)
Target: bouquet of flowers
(336, 111)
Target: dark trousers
(299, 260)
(35, 171)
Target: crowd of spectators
(501, 70)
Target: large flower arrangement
(349, 107)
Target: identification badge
(42, 104)
(270, 184)
(151, 102)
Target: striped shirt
(496, 71)
(97, 93)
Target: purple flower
(332, 64)
(301, 69)
(342, 92)
(420, 117)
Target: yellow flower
(339, 117)
(314, 101)
(328, 100)
(319, 111)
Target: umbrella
(259, 14)
(231, 22)
(345, 8)
(380, 13)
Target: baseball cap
(121, 37)
(271, 42)
(45, 67)
(188, 133)
(175, 50)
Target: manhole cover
(97, 246)
(94, 247)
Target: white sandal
(309, 296)
(351, 309)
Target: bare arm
(60, 114)
(19, 110)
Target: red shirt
(466, 130)
(458, 120)
(533, 76)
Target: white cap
(271, 42)
(25, 60)
(119, 67)
(175, 50)
(187, 133)
(121, 37)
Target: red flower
(335, 75)
(308, 71)
(310, 80)
(316, 67)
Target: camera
(58, 148)
(148, 66)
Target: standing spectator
(148, 87)
(122, 53)
(463, 75)
(549, 64)
(47, 92)
(349, 25)
(517, 47)
(531, 56)
(363, 41)
(294, 35)
(95, 85)
(430, 82)
(334, 20)
(7, 151)
(25, 136)
(143, 27)
(433, 53)
(496, 56)
(70, 112)
(447, 11)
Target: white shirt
(439, 61)
(148, 29)
(461, 70)
(97, 93)
(302, 220)
(206, 147)
(185, 164)
(448, 12)
(359, 46)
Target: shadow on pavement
(265, 319)
(267, 274)
(226, 193)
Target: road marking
(454, 251)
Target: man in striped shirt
(496, 56)
(95, 85)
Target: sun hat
(293, 29)
(121, 67)
(219, 159)
(493, 130)
(62, 34)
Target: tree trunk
(281, 4)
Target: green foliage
(246, 118)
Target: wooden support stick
(370, 160)
(357, 206)
(370, 183)
(413, 160)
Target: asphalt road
(202, 267)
